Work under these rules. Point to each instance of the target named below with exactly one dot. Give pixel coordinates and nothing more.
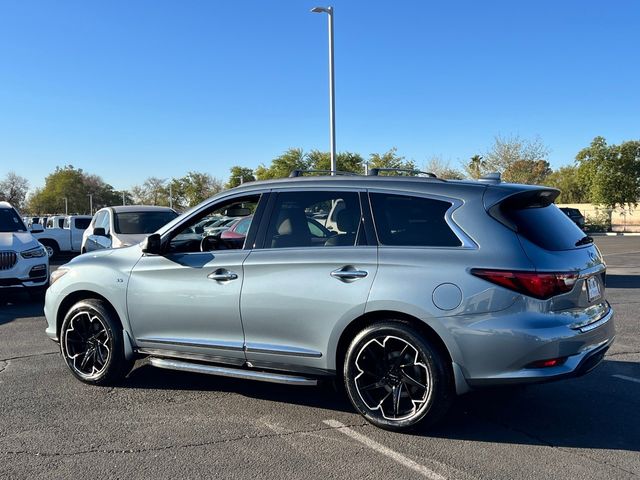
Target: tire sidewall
(438, 399)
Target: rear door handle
(222, 275)
(349, 274)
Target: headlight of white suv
(35, 252)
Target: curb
(614, 234)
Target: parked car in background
(55, 221)
(426, 288)
(67, 239)
(23, 260)
(116, 227)
(575, 215)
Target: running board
(231, 372)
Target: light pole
(90, 195)
(66, 206)
(123, 202)
(332, 88)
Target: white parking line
(624, 377)
(372, 444)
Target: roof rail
(300, 173)
(375, 171)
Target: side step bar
(231, 372)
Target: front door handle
(349, 273)
(222, 275)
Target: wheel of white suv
(395, 378)
(92, 345)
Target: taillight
(540, 285)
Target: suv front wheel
(92, 344)
(395, 377)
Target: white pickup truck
(67, 239)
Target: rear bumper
(503, 358)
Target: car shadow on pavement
(323, 396)
(20, 305)
(623, 281)
(598, 411)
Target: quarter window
(403, 220)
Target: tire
(52, 249)
(395, 378)
(92, 345)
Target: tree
(517, 159)
(476, 166)
(441, 169)
(154, 191)
(193, 188)
(532, 172)
(567, 180)
(13, 189)
(75, 186)
(345, 161)
(283, 165)
(611, 173)
(390, 159)
(240, 175)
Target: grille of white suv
(7, 260)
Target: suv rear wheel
(92, 344)
(395, 378)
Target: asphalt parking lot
(163, 424)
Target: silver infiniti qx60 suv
(408, 289)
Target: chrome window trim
(467, 242)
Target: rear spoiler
(497, 201)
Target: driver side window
(224, 226)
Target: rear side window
(546, 226)
(403, 220)
(82, 223)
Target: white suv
(23, 260)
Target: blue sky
(130, 89)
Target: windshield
(131, 223)
(10, 221)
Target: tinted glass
(10, 221)
(412, 221)
(141, 222)
(82, 223)
(547, 227)
(314, 219)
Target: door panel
(291, 304)
(174, 305)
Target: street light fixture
(332, 87)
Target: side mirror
(152, 244)
(99, 232)
(36, 228)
